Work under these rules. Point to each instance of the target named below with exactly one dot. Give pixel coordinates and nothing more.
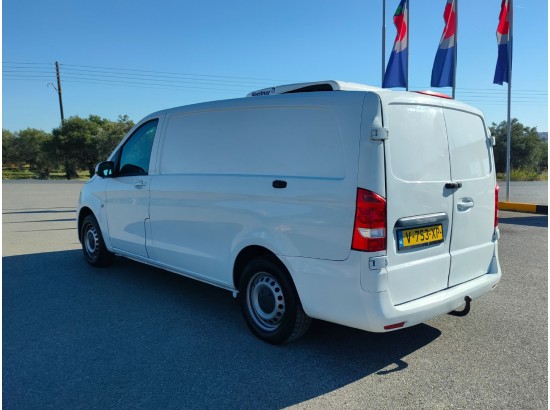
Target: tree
(527, 151)
(30, 145)
(112, 133)
(9, 154)
(73, 144)
(23, 147)
(47, 160)
(81, 143)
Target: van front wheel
(270, 303)
(93, 246)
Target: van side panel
(285, 141)
(215, 192)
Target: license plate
(413, 238)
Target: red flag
(504, 40)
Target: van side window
(136, 152)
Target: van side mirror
(105, 169)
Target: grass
(524, 175)
(16, 174)
(32, 174)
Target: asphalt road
(135, 337)
(531, 192)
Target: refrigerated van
(361, 206)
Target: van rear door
(472, 245)
(419, 206)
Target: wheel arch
(250, 253)
(83, 213)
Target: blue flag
(504, 40)
(444, 63)
(396, 72)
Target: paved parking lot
(531, 192)
(132, 336)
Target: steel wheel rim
(91, 241)
(265, 301)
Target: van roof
(329, 85)
(390, 95)
(386, 95)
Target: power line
(28, 76)
(27, 70)
(134, 84)
(155, 87)
(162, 80)
(158, 77)
(92, 76)
(128, 73)
(121, 82)
(168, 72)
(132, 77)
(26, 63)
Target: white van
(366, 207)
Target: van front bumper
(331, 291)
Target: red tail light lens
(369, 231)
(496, 204)
(394, 326)
(435, 94)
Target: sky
(121, 57)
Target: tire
(93, 246)
(269, 302)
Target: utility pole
(59, 91)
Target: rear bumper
(381, 312)
(331, 291)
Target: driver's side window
(136, 152)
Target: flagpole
(408, 43)
(455, 48)
(383, 39)
(509, 125)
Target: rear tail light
(369, 231)
(496, 204)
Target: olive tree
(527, 151)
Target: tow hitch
(464, 311)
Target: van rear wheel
(270, 303)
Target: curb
(521, 207)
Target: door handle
(453, 185)
(140, 184)
(465, 204)
(278, 184)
